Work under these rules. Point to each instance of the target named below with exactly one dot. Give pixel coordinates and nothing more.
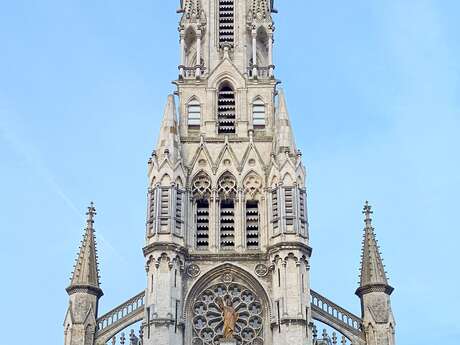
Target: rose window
(208, 317)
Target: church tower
(227, 253)
(227, 216)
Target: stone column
(254, 53)
(270, 53)
(182, 53)
(198, 54)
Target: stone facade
(227, 211)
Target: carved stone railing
(323, 310)
(326, 311)
(260, 72)
(191, 72)
(120, 317)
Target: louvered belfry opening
(226, 22)
(202, 224)
(227, 194)
(164, 211)
(179, 203)
(289, 205)
(275, 213)
(226, 110)
(303, 212)
(227, 224)
(252, 224)
(201, 191)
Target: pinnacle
(86, 272)
(168, 145)
(372, 268)
(284, 134)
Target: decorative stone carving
(193, 271)
(227, 277)
(261, 270)
(252, 185)
(227, 186)
(201, 186)
(208, 318)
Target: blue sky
(373, 91)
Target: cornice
(363, 290)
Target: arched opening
(227, 195)
(194, 114)
(190, 47)
(258, 114)
(252, 189)
(201, 191)
(226, 109)
(262, 47)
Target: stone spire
(372, 269)
(168, 145)
(86, 272)
(284, 136)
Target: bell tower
(227, 215)
(227, 252)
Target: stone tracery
(207, 315)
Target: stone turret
(165, 246)
(84, 290)
(374, 290)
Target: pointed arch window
(194, 113)
(226, 22)
(258, 113)
(227, 198)
(201, 190)
(226, 109)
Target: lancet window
(226, 109)
(258, 113)
(226, 22)
(252, 188)
(201, 191)
(194, 114)
(227, 197)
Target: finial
(91, 213)
(367, 211)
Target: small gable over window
(258, 113)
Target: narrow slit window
(226, 22)
(226, 110)
(289, 205)
(303, 212)
(179, 203)
(275, 213)
(202, 224)
(258, 114)
(252, 224)
(227, 224)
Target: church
(227, 252)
